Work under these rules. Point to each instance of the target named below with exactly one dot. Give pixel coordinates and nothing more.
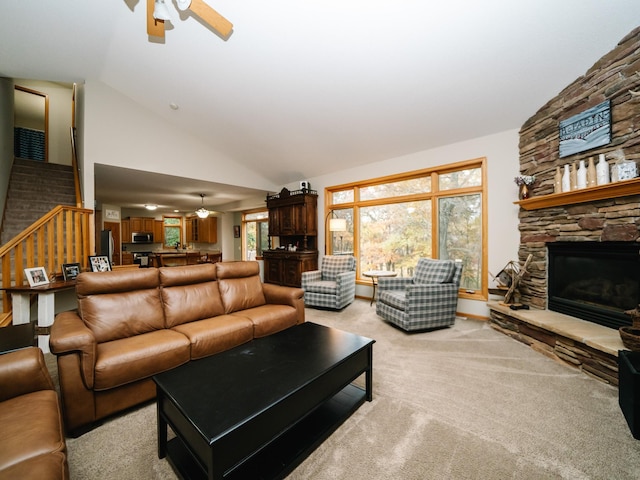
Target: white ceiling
(306, 88)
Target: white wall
(501, 151)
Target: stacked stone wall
(618, 219)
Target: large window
(255, 234)
(394, 221)
(172, 231)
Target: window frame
(433, 196)
(244, 223)
(179, 226)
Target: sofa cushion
(270, 318)
(120, 304)
(434, 271)
(188, 303)
(130, 359)
(31, 426)
(327, 287)
(240, 285)
(395, 298)
(213, 335)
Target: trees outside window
(172, 231)
(255, 234)
(433, 213)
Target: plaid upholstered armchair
(334, 285)
(426, 300)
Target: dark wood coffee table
(260, 409)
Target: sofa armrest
(280, 295)
(23, 371)
(69, 334)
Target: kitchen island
(189, 257)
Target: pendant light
(202, 212)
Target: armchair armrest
(23, 371)
(394, 283)
(345, 278)
(69, 334)
(422, 297)
(310, 276)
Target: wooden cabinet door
(208, 230)
(158, 231)
(272, 270)
(291, 272)
(287, 220)
(148, 224)
(136, 224)
(189, 229)
(125, 226)
(274, 222)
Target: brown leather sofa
(133, 324)
(32, 444)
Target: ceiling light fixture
(151, 207)
(160, 11)
(202, 212)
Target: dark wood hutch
(293, 218)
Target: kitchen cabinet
(127, 258)
(158, 231)
(125, 228)
(202, 230)
(141, 224)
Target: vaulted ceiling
(305, 88)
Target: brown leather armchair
(32, 443)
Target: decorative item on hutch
(524, 182)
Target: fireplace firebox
(594, 281)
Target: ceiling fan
(157, 14)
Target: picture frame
(70, 271)
(236, 231)
(36, 276)
(588, 129)
(99, 263)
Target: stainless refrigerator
(106, 244)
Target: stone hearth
(585, 345)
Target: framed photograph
(236, 231)
(70, 271)
(36, 276)
(99, 263)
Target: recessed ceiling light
(151, 207)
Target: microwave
(142, 237)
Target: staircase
(34, 189)
(42, 226)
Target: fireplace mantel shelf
(601, 192)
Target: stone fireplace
(594, 281)
(578, 223)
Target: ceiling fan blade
(155, 28)
(211, 17)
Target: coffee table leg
(162, 429)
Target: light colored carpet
(460, 403)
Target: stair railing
(64, 235)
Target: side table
(374, 275)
